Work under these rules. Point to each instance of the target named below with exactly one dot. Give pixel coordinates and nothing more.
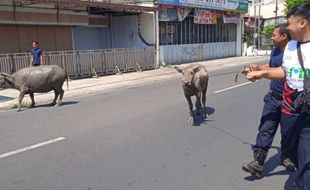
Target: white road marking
(31, 147)
(232, 87)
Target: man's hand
(255, 75)
(255, 67)
(246, 70)
(249, 68)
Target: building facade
(85, 37)
(262, 13)
(179, 30)
(199, 30)
(72, 26)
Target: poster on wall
(167, 15)
(229, 17)
(202, 16)
(182, 13)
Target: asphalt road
(139, 139)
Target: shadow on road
(5, 98)
(199, 119)
(63, 104)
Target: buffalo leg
(32, 99)
(190, 106)
(204, 93)
(60, 97)
(20, 99)
(198, 102)
(55, 98)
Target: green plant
(267, 31)
(291, 3)
(245, 38)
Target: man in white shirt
(294, 124)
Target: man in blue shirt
(271, 115)
(36, 52)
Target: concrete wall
(147, 27)
(124, 30)
(123, 33)
(173, 54)
(85, 38)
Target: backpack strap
(306, 79)
(301, 61)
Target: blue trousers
(297, 143)
(270, 120)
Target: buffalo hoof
(191, 120)
(32, 105)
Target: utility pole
(258, 27)
(276, 14)
(254, 35)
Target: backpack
(302, 102)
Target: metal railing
(86, 63)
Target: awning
(90, 3)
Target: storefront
(194, 31)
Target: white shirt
(293, 70)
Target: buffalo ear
(178, 69)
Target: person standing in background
(36, 55)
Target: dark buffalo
(36, 80)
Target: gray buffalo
(40, 79)
(195, 80)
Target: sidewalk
(84, 87)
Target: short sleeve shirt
(36, 54)
(276, 58)
(294, 73)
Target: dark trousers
(297, 143)
(269, 122)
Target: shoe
(254, 168)
(288, 164)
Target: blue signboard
(168, 2)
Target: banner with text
(202, 16)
